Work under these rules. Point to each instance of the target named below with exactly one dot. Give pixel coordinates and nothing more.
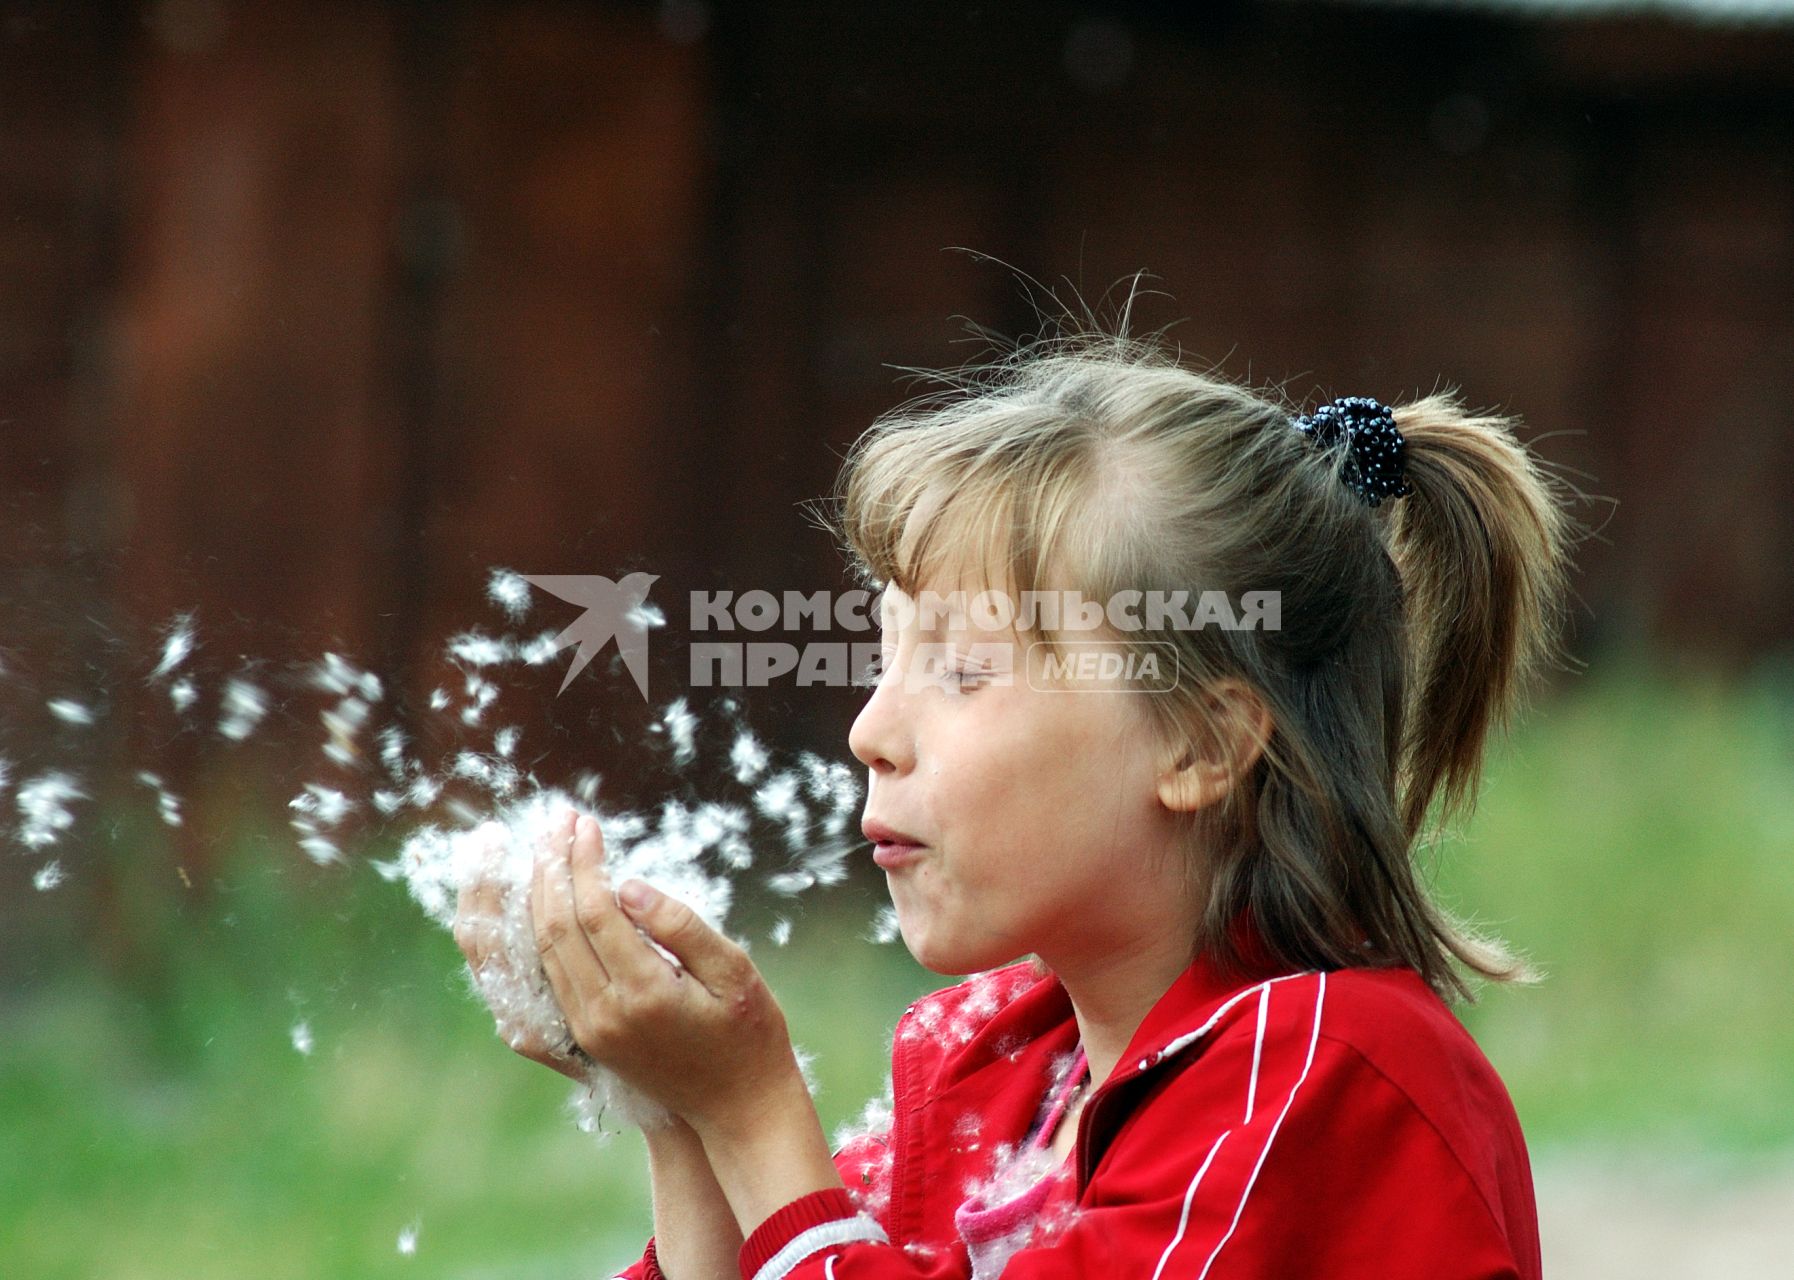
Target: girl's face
(1036, 807)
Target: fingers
(719, 965)
(621, 950)
(470, 930)
(574, 971)
(572, 1063)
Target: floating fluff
(326, 805)
(833, 783)
(391, 741)
(826, 864)
(481, 693)
(747, 757)
(681, 728)
(884, 926)
(509, 590)
(539, 649)
(245, 706)
(874, 1120)
(182, 694)
(791, 883)
(45, 805)
(72, 712)
(342, 723)
(493, 773)
(477, 649)
(319, 847)
(777, 798)
(177, 646)
(315, 809)
(168, 805)
(464, 813)
(723, 828)
(334, 673)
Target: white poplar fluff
(72, 712)
(509, 590)
(437, 862)
(177, 645)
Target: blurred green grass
(166, 1125)
(1636, 839)
(1637, 843)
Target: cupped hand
(703, 1037)
(479, 932)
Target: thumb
(716, 962)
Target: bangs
(986, 507)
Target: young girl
(1208, 1035)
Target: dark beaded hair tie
(1374, 467)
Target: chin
(950, 961)
(929, 953)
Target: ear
(1242, 725)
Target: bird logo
(612, 609)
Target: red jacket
(1335, 1125)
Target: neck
(1111, 996)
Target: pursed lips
(891, 848)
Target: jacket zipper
(1105, 1092)
(899, 1130)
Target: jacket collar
(1042, 1013)
(1196, 996)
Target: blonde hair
(1408, 632)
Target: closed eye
(967, 678)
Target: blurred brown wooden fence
(309, 313)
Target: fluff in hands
(437, 862)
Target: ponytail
(1481, 548)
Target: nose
(880, 737)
